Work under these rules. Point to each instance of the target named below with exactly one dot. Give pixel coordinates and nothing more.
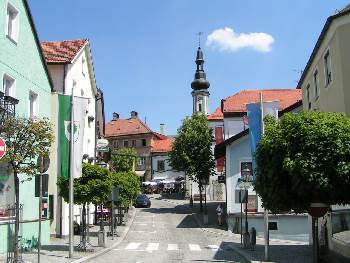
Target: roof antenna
(199, 38)
(145, 120)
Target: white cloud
(227, 39)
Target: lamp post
(246, 173)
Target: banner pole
(71, 183)
(266, 212)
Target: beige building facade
(325, 85)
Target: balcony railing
(7, 106)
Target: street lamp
(245, 183)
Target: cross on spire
(199, 38)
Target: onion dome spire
(200, 81)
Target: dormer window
(12, 23)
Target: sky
(144, 50)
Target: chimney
(134, 114)
(115, 116)
(162, 129)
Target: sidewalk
(281, 251)
(57, 251)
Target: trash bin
(252, 238)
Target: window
(308, 97)
(116, 144)
(316, 84)
(273, 225)
(12, 23)
(327, 67)
(144, 142)
(8, 86)
(126, 144)
(200, 103)
(133, 143)
(83, 65)
(33, 104)
(161, 166)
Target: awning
(140, 173)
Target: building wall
(233, 126)
(142, 151)
(169, 173)
(332, 97)
(22, 62)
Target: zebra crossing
(150, 247)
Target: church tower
(200, 86)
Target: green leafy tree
(94, 186)
(129, 187)
(304, 158)
(26, 140)
(123, 160)
(191, 150)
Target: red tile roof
(162, 146)
(62, 51)
(216, 115)
(126, 127)
(237, 103)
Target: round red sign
(2, 148)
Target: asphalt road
(168, 233)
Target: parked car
(142, 201)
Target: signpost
(43, 163)
(2, 148)
(102, 145)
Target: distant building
(161, 169)
(133, 133)
(325, 85)
(237, 153)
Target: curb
(98, 253)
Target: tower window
(200, 107)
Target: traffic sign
(318, 209)
(2, 148)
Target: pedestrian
(219, 211)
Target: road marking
(152, 246)
(213, 247)
(173, 247)
(132, 245)
(194, 247)
(144, 231)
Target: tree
(304, 158)
(129, 186)
(123, 160)
(26, 140)
(191, 150)
(94, 186)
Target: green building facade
(24, 76)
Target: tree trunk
(16, 247)
(84, 226)
(200, 197)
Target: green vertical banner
(64, 118)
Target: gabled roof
(31, 21)
(220, 149)
(343, 12)
(237, 103)
(162, 146)
(129, 126)
(160, 136)
(216, 115)
(62, 52)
